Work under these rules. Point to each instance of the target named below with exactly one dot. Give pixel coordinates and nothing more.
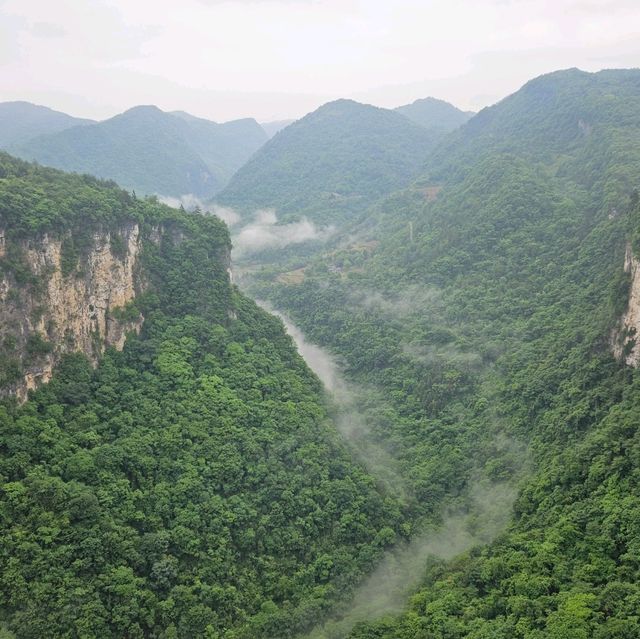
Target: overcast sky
(274, 59)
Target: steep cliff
(81, 310)
(625, 336)
(75, 256)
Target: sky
(277, 59)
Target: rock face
(626, 337)
(72, 303)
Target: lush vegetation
(22, 121)
(479, 304)
(150, 151)
(36, 199)
(194, 484)
(432, 113)
(332, 163)
(191, 485)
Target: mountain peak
(433, 113)
(142, 110)
(21, 120)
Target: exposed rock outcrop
(626, 337)
(84, 309)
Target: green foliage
(69, 256)
(189, 482)
(151, 151)
(22, 121)
(130, 312)
(481, 319)
(37, 346)
(34, 199)
(193, 484)
(435, 114)
(189, 486)
(332, 163)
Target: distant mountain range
(340, 158)
(435, 114)
(144, 148)
(22, 121)
(345, 154)
(271, 128)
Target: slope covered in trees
(479, 305)
(194, 485)
(331, 163)
(271, 128)
(191, 485)
(432, 113)
(147, 150)
(23, 121)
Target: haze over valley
(355, 358)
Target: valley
(380, 384)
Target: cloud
(346, 411)
(282, 58)
(386, 589)
(191, 202)
(228, 215)
(265, 233)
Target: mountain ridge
(334, 161)
(21, 120)
(151, 151)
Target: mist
(388, 588)
(346, 412)
(408, 301)
(485, 511)
(265, 233)
(191, 202)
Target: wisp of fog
(387, 589)
(486, 512)
(345, 411)
(265, 233)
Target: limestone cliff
(625, 342)
(67, 301)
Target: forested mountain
(435, 114)
(22, 121)
(479, 302)
(224, 147)
(271, 128)
(147, 150)
(568, 115)
(192, 484)
(479, 309)
(332, 162)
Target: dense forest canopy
(332, 163)
(435, 114)
(144, 148)
(480, 303)
(192, 485)
(202, 483)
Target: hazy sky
(274, 59)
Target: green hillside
(147, 150)
(191, 485)
(435, 114)
(22, 121)
(332, 163)
(223, 147)
(271, 128)
(472, 470)
(479, 305)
